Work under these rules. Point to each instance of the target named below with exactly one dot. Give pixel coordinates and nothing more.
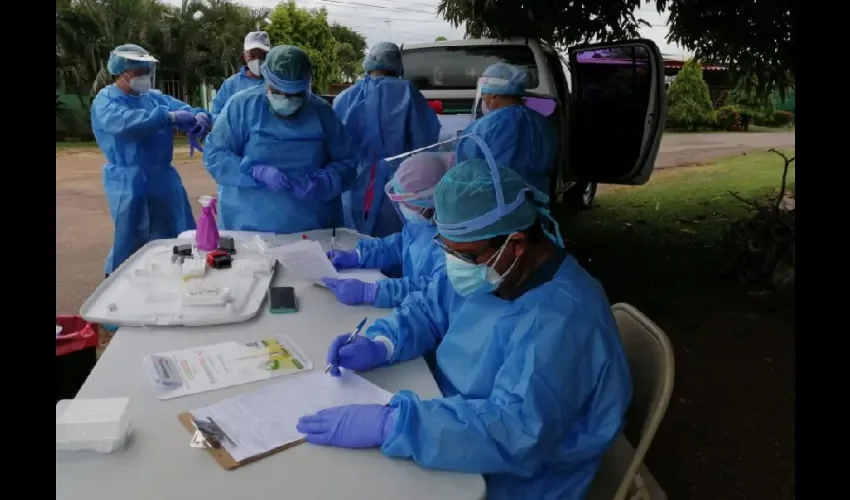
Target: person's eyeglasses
(469, 258)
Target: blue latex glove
(271, 177)
(184, 120)
(361, 354)
(351, 426)
(315, 186)
(344, 259)
(352, 292)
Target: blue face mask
(285, 105)
(468, 278)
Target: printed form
(263, 420)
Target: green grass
(672, 231)
(751, 129)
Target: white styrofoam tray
(146, 290)
(346, 239)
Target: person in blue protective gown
(279, 154)
(519, 137)
(530, 364)
(134, 127)
(387, 116)
(255, 49)
(413, 249)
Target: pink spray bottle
(206, 236)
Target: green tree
(309, 30)
(440, 39)
(199, 41)
(750, 102)
(689, 102)
(350, 53)
(749, 36)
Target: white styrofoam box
(92, 424)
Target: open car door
(617, 112)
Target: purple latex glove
(361, 354)
(271, 177)
(344, 259)
(194, 144)
(203, 124)
(543, 106)
(351, 426)
(315, 186)
(183, 120)
(352, 292)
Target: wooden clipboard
(221, 455)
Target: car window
(453, 68)
(613, 73)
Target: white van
(609, 125)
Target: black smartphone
(282, 300)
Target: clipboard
(221, 456)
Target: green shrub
(61, 131)
(753, 105)
(782, 118)
(82, 130)
(729, 118)
(689, 101)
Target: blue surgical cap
(385, 56)
(118, 64)
(288, 69)
(504, 79)
(467, 192)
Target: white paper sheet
(260, 421)
(183, 372)
(305, 260)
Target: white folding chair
(622, 475)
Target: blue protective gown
(249, 133)
(414, 250)
(238, 82)
(144, 192)
(535, 389)
(520, 139)
(386, 116)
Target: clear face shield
(543, 105)
(286, 97)
(140, 70)
(412, 179)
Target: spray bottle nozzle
(208, 202)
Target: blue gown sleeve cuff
(396, 443)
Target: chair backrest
(650, 357)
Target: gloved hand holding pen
(359, 354)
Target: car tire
(580, 197)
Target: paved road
(678, 150)
(84, 229)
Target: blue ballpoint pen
(349, 339)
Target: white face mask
(254, 66)
(141, 84)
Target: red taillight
(437, 106)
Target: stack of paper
(264, 420)
(306, 260)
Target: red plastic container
(76, 354)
